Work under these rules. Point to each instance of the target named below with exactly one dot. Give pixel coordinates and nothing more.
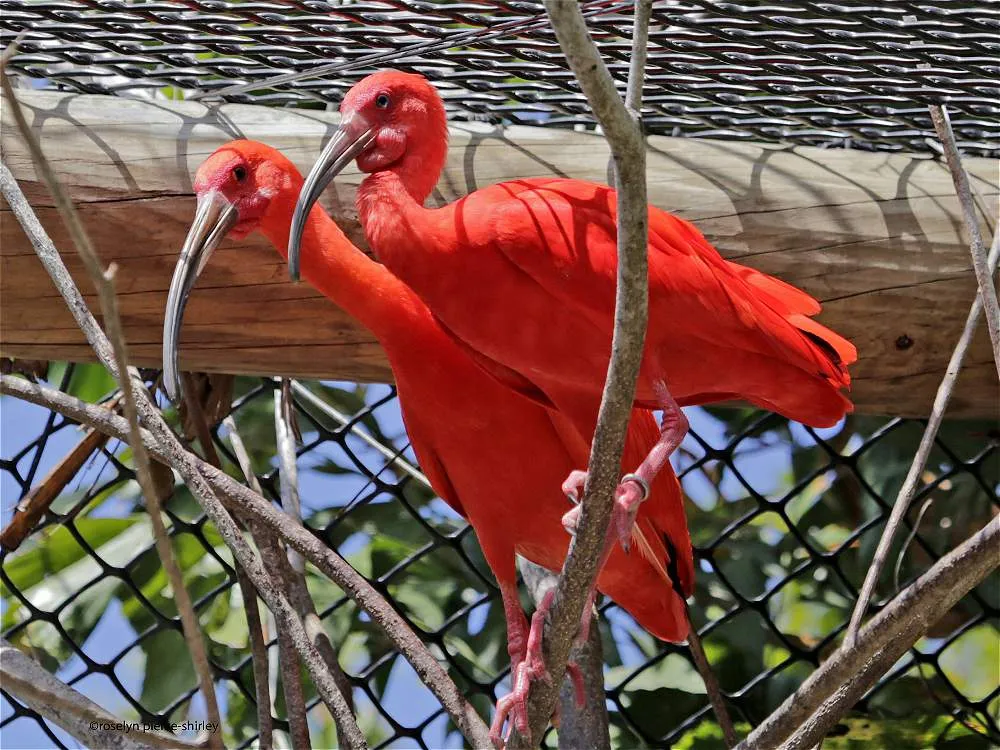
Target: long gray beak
(213, 219)
(352, 137)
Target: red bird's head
(390, 122)
(247, 176)
(238, 189)
(405, 117)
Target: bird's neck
(396, 223)
(333, 265)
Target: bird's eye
(240, 173)
(382, 101)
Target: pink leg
(530, 667)
(634, 487)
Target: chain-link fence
(784, 518)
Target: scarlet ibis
(524, 274)
(493, 455)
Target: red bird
(523, 273)
(494, 456)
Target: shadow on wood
(877, 237)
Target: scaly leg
(530, 665)
(634, 487)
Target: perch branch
(624, 135)
(180, 459)
(909, 488)
(586, 727)
(984, 274)
(42, 692)
(128, 380)
(897, 626)
(252, 505)
(30, 510)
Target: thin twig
(894, 629)
(274, 558)
(712, 686)
(909, 488)
(984, 274)
(258, 643)
(251, 505)
(298, 591)
(128, 380)
(31, 509)
(621, 126)
(41, 691)
(191, 469)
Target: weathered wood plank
(877, 237)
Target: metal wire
(797, 564)
(814, 73)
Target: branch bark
(129, 382)
(909, 488)
(38, 689)
(624, 134)
(891, 631)
(586, 726)
(984, 274)
(253, 507)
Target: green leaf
(169, 672)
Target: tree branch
(180, 459)
(893, 630)
(984, 274)
(252, 506)
(909, 488)
(38, 689)
(622, 129)
(129, 382)
(258, 643)
(585, 727)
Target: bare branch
(250, 505)
(129, 381)
(621, 126)
(258, 643)
(179, 458)
(894, 629)
(38, 689)
(909, 488)
(984, 274)
(715, 696)
(585, 727)
(31, 509)
(298, 591)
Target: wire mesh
(846, 74)
(784, 519)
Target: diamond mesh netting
(785, 519)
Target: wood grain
(877, 237)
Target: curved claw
(573, 486)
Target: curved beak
(213, 219)
(352, 137)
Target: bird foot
(513, 708)
(631, 492)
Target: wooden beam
(877, 237)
